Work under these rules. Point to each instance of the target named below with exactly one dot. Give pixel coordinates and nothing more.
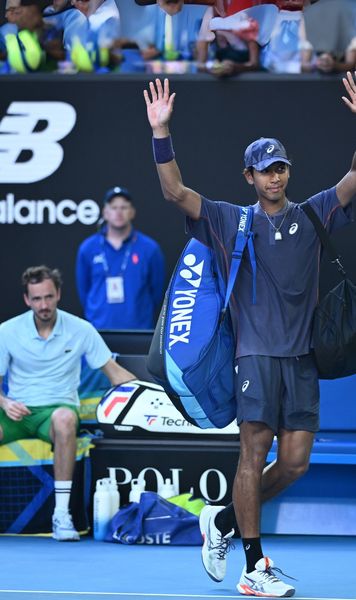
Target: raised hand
(350, 86)
(159, 104)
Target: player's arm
(346, 188)
(14, 410)
(159, 103)
(115, 373)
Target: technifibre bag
(193, 346)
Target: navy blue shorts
(280, 392)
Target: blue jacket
(140, 262)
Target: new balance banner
(66, 139)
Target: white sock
(62, 491)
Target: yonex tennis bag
(334, 323)
(193, 346)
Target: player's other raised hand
(350, 86)
(159, 103)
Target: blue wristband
(163, 149)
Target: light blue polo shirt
(47, 371)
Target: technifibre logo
(184, 301)
(30, 152)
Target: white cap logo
(270, 149)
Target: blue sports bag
(154, 520)
(193, 346)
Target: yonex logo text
(183, 303)
(243, 217)
(181, 316)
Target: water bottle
(114, 495)
(102, 509)
(137, 488)
(167, 490)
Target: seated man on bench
(41, 352)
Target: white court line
(146, 595)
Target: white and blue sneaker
(63, 528)
(263, 582)
(215, 545)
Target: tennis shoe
(263, 582)
(215, 545)
(63, 528)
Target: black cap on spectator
(117, 191)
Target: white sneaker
(263, 582)
(63, 528)
(215, 545)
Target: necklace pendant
(278, 236)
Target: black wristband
(163, 149)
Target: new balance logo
(193, 270)
(29, 136)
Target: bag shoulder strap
(324, 237)
(244, 237)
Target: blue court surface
(36, 568)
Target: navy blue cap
(264, 152)
(117, 191)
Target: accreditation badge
(115, 290)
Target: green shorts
(35, 425)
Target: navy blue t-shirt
(279, 323)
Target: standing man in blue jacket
(120, 271)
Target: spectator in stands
(120, 271)
(41, 352)
(103, 36)
(288, 50)
(235, 51)
(330, 28)
(9, 26)
(38, 46)
(137, 30)
(170, 33)
(171, 7)
(176, 35)
(103, 17)
(68, 20)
